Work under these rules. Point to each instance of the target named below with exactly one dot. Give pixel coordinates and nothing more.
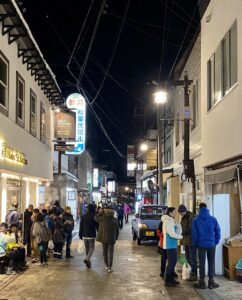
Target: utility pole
(188, 164)
(160, 156)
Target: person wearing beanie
(187, 218)
(206, 236)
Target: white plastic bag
(51, 245)
(80, 247)
(186, 271)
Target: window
(42, 123)
(194, 104)
(168, 156)
(3, 83)
(20, 101)
(33, 105)
(222, 68)
(177, 131)
(229, 61)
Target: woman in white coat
(172, 233)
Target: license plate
(149, 233)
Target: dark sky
(56, 24)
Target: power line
(114, 51)
(163, 41)
(179, 51)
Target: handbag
(80, 247)
(186, 271)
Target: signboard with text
(77, 104)
(65, 126)
(130, 161)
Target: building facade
(27, 86)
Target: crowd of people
(199, 234)
(40, 229)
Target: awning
(221, 175)
(151, 173)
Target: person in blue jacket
(206, 235)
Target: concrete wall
(221, 126)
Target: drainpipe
(240, 197)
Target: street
(135, 276)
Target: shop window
(3, 84)
(42, 123)
(20, 100)
(33, 106)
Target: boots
(200, 285)
(212, 284)
(193, 277)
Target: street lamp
(126, 188)
(160, 97)
(143, 147)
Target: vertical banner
(130, 161)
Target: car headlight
(143, 226)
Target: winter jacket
(160, 235)
(5, 239)
(88, 226)
(186, 224)
(27, 225)
(171, 232)
(205, 230)
(12, 216)
(108, 227)
(59, 233)
(120, 212)
(127, 209)
(41, 232)
(50, 223)
(68, 218)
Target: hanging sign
(77, 103)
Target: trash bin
(239, 270)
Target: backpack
(45, 233)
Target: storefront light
(10, 176)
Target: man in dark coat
(87, 232)
(120, 214)
(27, 228)
(206, 236)
(107, 234)
(187, 218)
(68, 221)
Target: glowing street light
(143, 147)
(160, 97)
(126, 188)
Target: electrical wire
(91, 41)
(80, 34)
(114, 51)
(179, 51)
(163, 42)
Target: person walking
(42, 235)
(171, 233)
(58, 235)
(87, 232)
(107, 234)
(27, 228)
(127, 211)
(206, 236)
(187, 218)
(120, 214)
(68, 221)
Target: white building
(27, 86)
(221, 92)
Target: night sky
(152, 27)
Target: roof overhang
(15, 26)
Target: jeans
(172, 260)
(120, 222)
(89, 247)
(108, 250)
(126, 218)
(210, 252)
(68, 244)
(191, 257)
(42, 251)
(163, 261)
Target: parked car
(146, 222)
